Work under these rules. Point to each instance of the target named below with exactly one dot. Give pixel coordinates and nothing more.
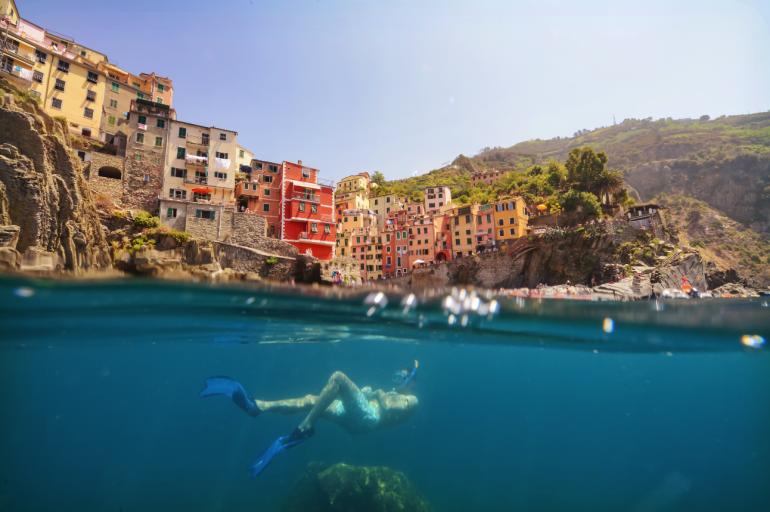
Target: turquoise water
(535, 408)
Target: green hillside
(724, 163)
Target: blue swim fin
(226, 386)
(279, 445)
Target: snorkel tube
(409, 376)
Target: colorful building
(383, 206)
(199, 178)
(307, 211)
(395, 245)
(511, 218)
(436, 198)
(69, 79)
(358, 237)
(352, 193)
(422, 240)
(260, 193)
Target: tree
(378, 178)
(580, 206)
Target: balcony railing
(20, 74)
(310, 216)
(197, 142)
(306, 197)
(196, 160)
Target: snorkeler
(340, 401)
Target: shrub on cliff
(144, 220)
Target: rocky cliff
(43, 191)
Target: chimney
(299, 162)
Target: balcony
(206, 180)
(197, 161)
(17, 53)
(197, 142)
(18, 73)
(312, 198)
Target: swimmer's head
(399, 407)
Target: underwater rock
(345, 488)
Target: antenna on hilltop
(613, 120)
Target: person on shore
(340, 401)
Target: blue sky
(405, 86)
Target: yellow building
(71, 80)
(358, 237)
(352, 192)
(510, 218)
(384, 205)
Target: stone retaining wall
(245, 259)
(110, 187)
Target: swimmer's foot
(279, 445)
(225, 386)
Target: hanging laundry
(222, 163)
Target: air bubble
(752, 340)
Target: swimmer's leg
(339, 386)
(288, 405)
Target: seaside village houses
(140, 155)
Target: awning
(202, 190)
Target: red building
(307, 211)
(395, 245)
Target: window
(501, 232)
(91, 95)
(140, 95)
(64, 67)
(111, 120)
(159, 100)
(182, 132)
(41, 57)
(222, 136)
(178, 173)
(305, 173)
(180, 153)
(512, 220)
(138, 157)
(93, 77)
(513, 231)
(267, 179)
(140, 138)
(240, 153)
(161, 123)
(59, 84)
(142, 120)
(327, 229)
(271, 168)
(500, 222)
(220, 175)
(115, 87)
(457, 241)
(86, 132)
(265, 207)
(198, 196)
(176, 193)
(205, 139)
(222, 155)
(113, 103)
(468, 241)
(56, 103)
(267, 192)
(37, 76)
(313, 227)
(301, 207)
(171, 213)
(83, 53)
(313, 208)
(205, 214)
(158, 141)
(161, 87)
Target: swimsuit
(356, 413)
